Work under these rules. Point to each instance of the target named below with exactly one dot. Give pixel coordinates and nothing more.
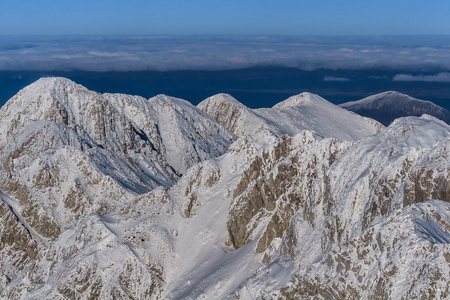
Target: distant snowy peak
(386, 107)
(177, 103)
(378, 100)
(220, 99)
(303, 99)
(308, 111)
(305, 111)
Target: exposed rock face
(232, 114)
(402, 255)
(89, 260)
(151, 201)
(17, 246)
(276, 185)
(430, 179)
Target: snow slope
(388, 106)
(305, 111)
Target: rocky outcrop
(18, 248)
(430, 178)
(403, 255)
(232, 114)
(275, 185)
(92, 261)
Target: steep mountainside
(232, 114)
(363, 231)
(66, 152)
(92, 210)
(388, 106)
(300, 112)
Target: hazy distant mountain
(388, 106)
(111, 196)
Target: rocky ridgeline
(115, 196)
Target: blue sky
(290, 17)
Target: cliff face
(276, 184)
(114, 196)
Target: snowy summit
(388, 106)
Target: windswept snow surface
(114, 196)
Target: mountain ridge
(93, 205)
(388, 106)
(299, 112)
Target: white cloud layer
(139, 53)
(440, 77)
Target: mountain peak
(229, 112)
(49, 97)
(387, 106)
(305, 111)
(302, 99)
(383, 98)
(53, 80)
(53, 84)
(172, 129)
(219, 101)
(223, 97)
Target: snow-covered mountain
(388, 106)
(66, 152)
(304, 111)
(290, 210)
